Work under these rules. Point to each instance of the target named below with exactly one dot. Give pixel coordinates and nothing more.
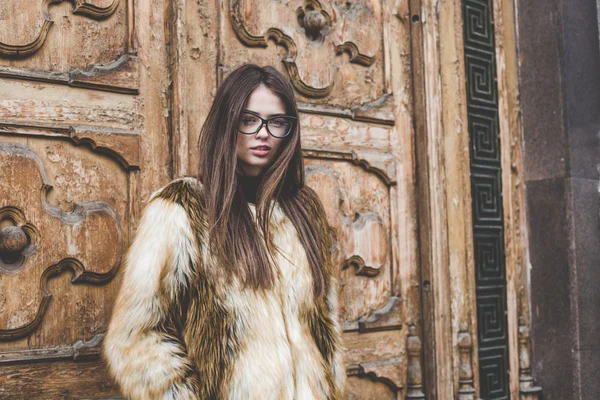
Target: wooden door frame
(444, 200)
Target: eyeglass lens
(278, 126)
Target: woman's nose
(262, 132)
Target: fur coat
(179, 331)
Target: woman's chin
(254, 169)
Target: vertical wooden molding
(527, 388)
(414, 378)
(131, 45)
(433, 219)
(508, 111)
(175, 31)
(413, 17)
(400, 67)
(461, 259)
(466, 391)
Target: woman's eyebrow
(250, 112)
(257, 114)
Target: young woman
(229, 291)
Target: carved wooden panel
(332, 51)
(357, 198)
(25, 101)
(375, 366)
(357, 205)
(86, 43)
(72, 207)
(43, 25)
(83, 141)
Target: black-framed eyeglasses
(278, 126)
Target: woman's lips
(260, 151)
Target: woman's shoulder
(186, 191)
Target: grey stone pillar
(559, 52)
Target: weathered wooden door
(83, 139)
(101, 103)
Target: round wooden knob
(314, 21)
(12, 240)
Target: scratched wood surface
(60, 37)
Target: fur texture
(182, 330)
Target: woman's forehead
(264, 102)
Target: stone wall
(559, 52)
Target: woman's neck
(249, 185)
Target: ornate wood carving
(12, 240)
(360, 268)
(382, 165)
(8, 50)
(71, 232)
(288, 58)
(316, 23)
(122, 76)
(385, 371)
(355, 55)
(362, 248)
(90, 143)
(379, 111)
(527, 388)
(123, 146)
(414, 375)
(486, 189)
(80, 7)
(83, 7)
(466, 391)
(360, 224)
(82, 349)
(289, 62)
(389, 317)
(13, 255)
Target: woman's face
(255, 152)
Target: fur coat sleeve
(144, 354)
(335, 356)
(327, 332)
(339, 372)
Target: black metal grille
(486, 191)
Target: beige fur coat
(178, 331)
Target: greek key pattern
(486, 191)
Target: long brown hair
(235, 239)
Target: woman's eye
(248, 120)
(279, 122)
